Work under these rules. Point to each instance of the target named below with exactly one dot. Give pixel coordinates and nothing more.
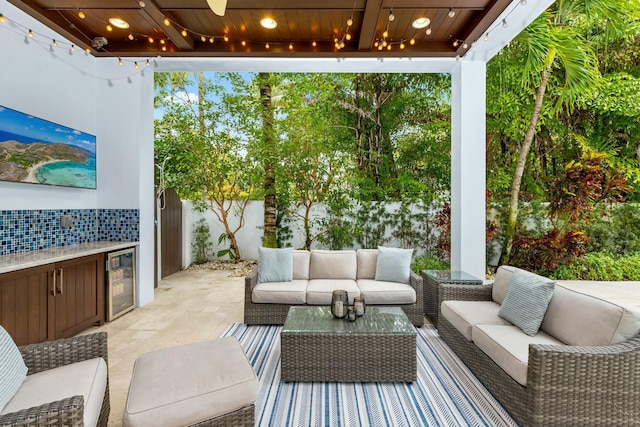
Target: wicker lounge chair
(52, 354)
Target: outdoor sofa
(580, 369)
(387, 281)
(66, 382)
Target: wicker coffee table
(378, 347)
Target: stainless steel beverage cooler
(121, 282)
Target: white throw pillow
(394, 264)
(275, 265)
(13, 371)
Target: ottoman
(206, 383)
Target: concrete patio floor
(197, 305)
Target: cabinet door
(24, 303)
(79, 295)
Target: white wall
(74, 90)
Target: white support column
(468, 167)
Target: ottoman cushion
(190, 383)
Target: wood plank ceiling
(304, 28)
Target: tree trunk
(270, 208)
(512, 219)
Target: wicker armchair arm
(251, 280)
(65, 412)
(457, 292)
(598, 384)
(415, 280)
(52, 354)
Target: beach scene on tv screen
(38, 151)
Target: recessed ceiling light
(421, 23)
(120, 23)
(269, 23)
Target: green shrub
(202, 246)
(618, 233)
(427, 262)
(601, 266)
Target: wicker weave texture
(244, 417)
(52, 354)
(566, 385)
(276, 314)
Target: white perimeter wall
(72, 90)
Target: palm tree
(556, 52)
(270, 239)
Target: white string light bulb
(452, 12)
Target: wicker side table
(432, 279)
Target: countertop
(24, 260)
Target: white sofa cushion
(13, 371)
(501, 283)
(293, 292)
(333, 265)
(579, 319)
(87, 378)
(463, 315)
(301, 264)
(186, 384)
(367, 260)
(378, 292)
(319, 291)
(508, 347)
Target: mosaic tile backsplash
(30, 230)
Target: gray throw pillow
(526, 301)
(13, 371)
(275, 265)
(393, 265)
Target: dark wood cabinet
(78, 299)
(54, 300)
(24, 304)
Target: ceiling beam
(158, 16)
(482, 23)
(369, 24)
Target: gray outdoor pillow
(13, 371)
(275, 265)
(393, 265)
(526, 301)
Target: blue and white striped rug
(445, 394)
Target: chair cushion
(333, 265)
(275, 265)
(378, 292)
(367, 261)
(394, 264)
(463, 315)
(301, 264)
(87, 378)
(526, 301)
(501, 283)
(579, 319)
(190, 383)
(13, 371)
(508, 347)
(319, 291)
(293, 292)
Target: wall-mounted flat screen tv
(38, 151)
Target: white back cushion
(333, 265)
(579, 319)
(301, 265)
(367, 260)
(501, 283)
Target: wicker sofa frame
(275, 314)
(52, 354)
(566, 385)
(244, 417)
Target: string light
(2, 18)
(486, 37)
(244, 43)
(148, 63)
(225, 38)
(428, 32)
(349, 22)
(401, 45)
(504, 23)
(166, 22)
(164, 48)
(452, 12)
(412, 41)
(266, 45)
(141, 4)
(72, 49)
(150, 39)
(314, 44)
(120, 62)
(385, 34)
(109, 27)
(136, 66)
(211, 40)
(203, 39)
(81, 14)
(130, 36)
(391, 15)
(184, 33)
